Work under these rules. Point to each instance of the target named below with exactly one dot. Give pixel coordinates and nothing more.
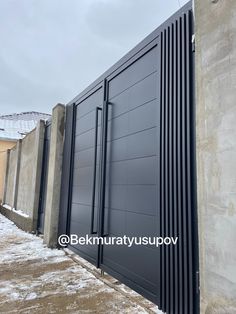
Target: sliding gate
(129, 167)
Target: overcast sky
(52, 49)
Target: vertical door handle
(94, 171)
(104, 162)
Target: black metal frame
(180, 286)
(43, 190)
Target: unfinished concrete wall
(25, 196)
(23, 178)
(10, 184)
(54, 176)
(30, 173)
(4, 146)
(215, 29)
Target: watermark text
(74, 239)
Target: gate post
(66, 168)
(54, 176)
(215, 26)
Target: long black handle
(94, 171)
(104, 161)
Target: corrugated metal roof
(15, 126)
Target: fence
(178, 279)
(22, 179)
(29, 192)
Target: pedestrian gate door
(129, 167)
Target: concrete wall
(10, 184)
(215, 29)
(25, 196)
(54, 176)
(30, 173)
(24, 178)
(4, 146)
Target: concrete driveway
(36, 279)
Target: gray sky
(52, 49)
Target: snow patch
(27, 246)
(7, 206)
(31, 296)
(17, 211)
(20, 212)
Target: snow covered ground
(36, 279)
(18, 211)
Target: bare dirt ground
(36, 279)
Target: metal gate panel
(132, 171)
(140, 179)
(44, 176)
(84, 193)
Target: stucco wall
(11, 177)
(30, 173)
(24, 177)
(4, 145)
(215, 29)
(25, 195)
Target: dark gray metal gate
(131, 161)
(129, 167)
(44, 175)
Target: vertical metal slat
(167, 217)
(183, 147)
(170, 157)
(179, 161)
(163, 283)
(188, 150)
(175, 192)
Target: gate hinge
(193, 43)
